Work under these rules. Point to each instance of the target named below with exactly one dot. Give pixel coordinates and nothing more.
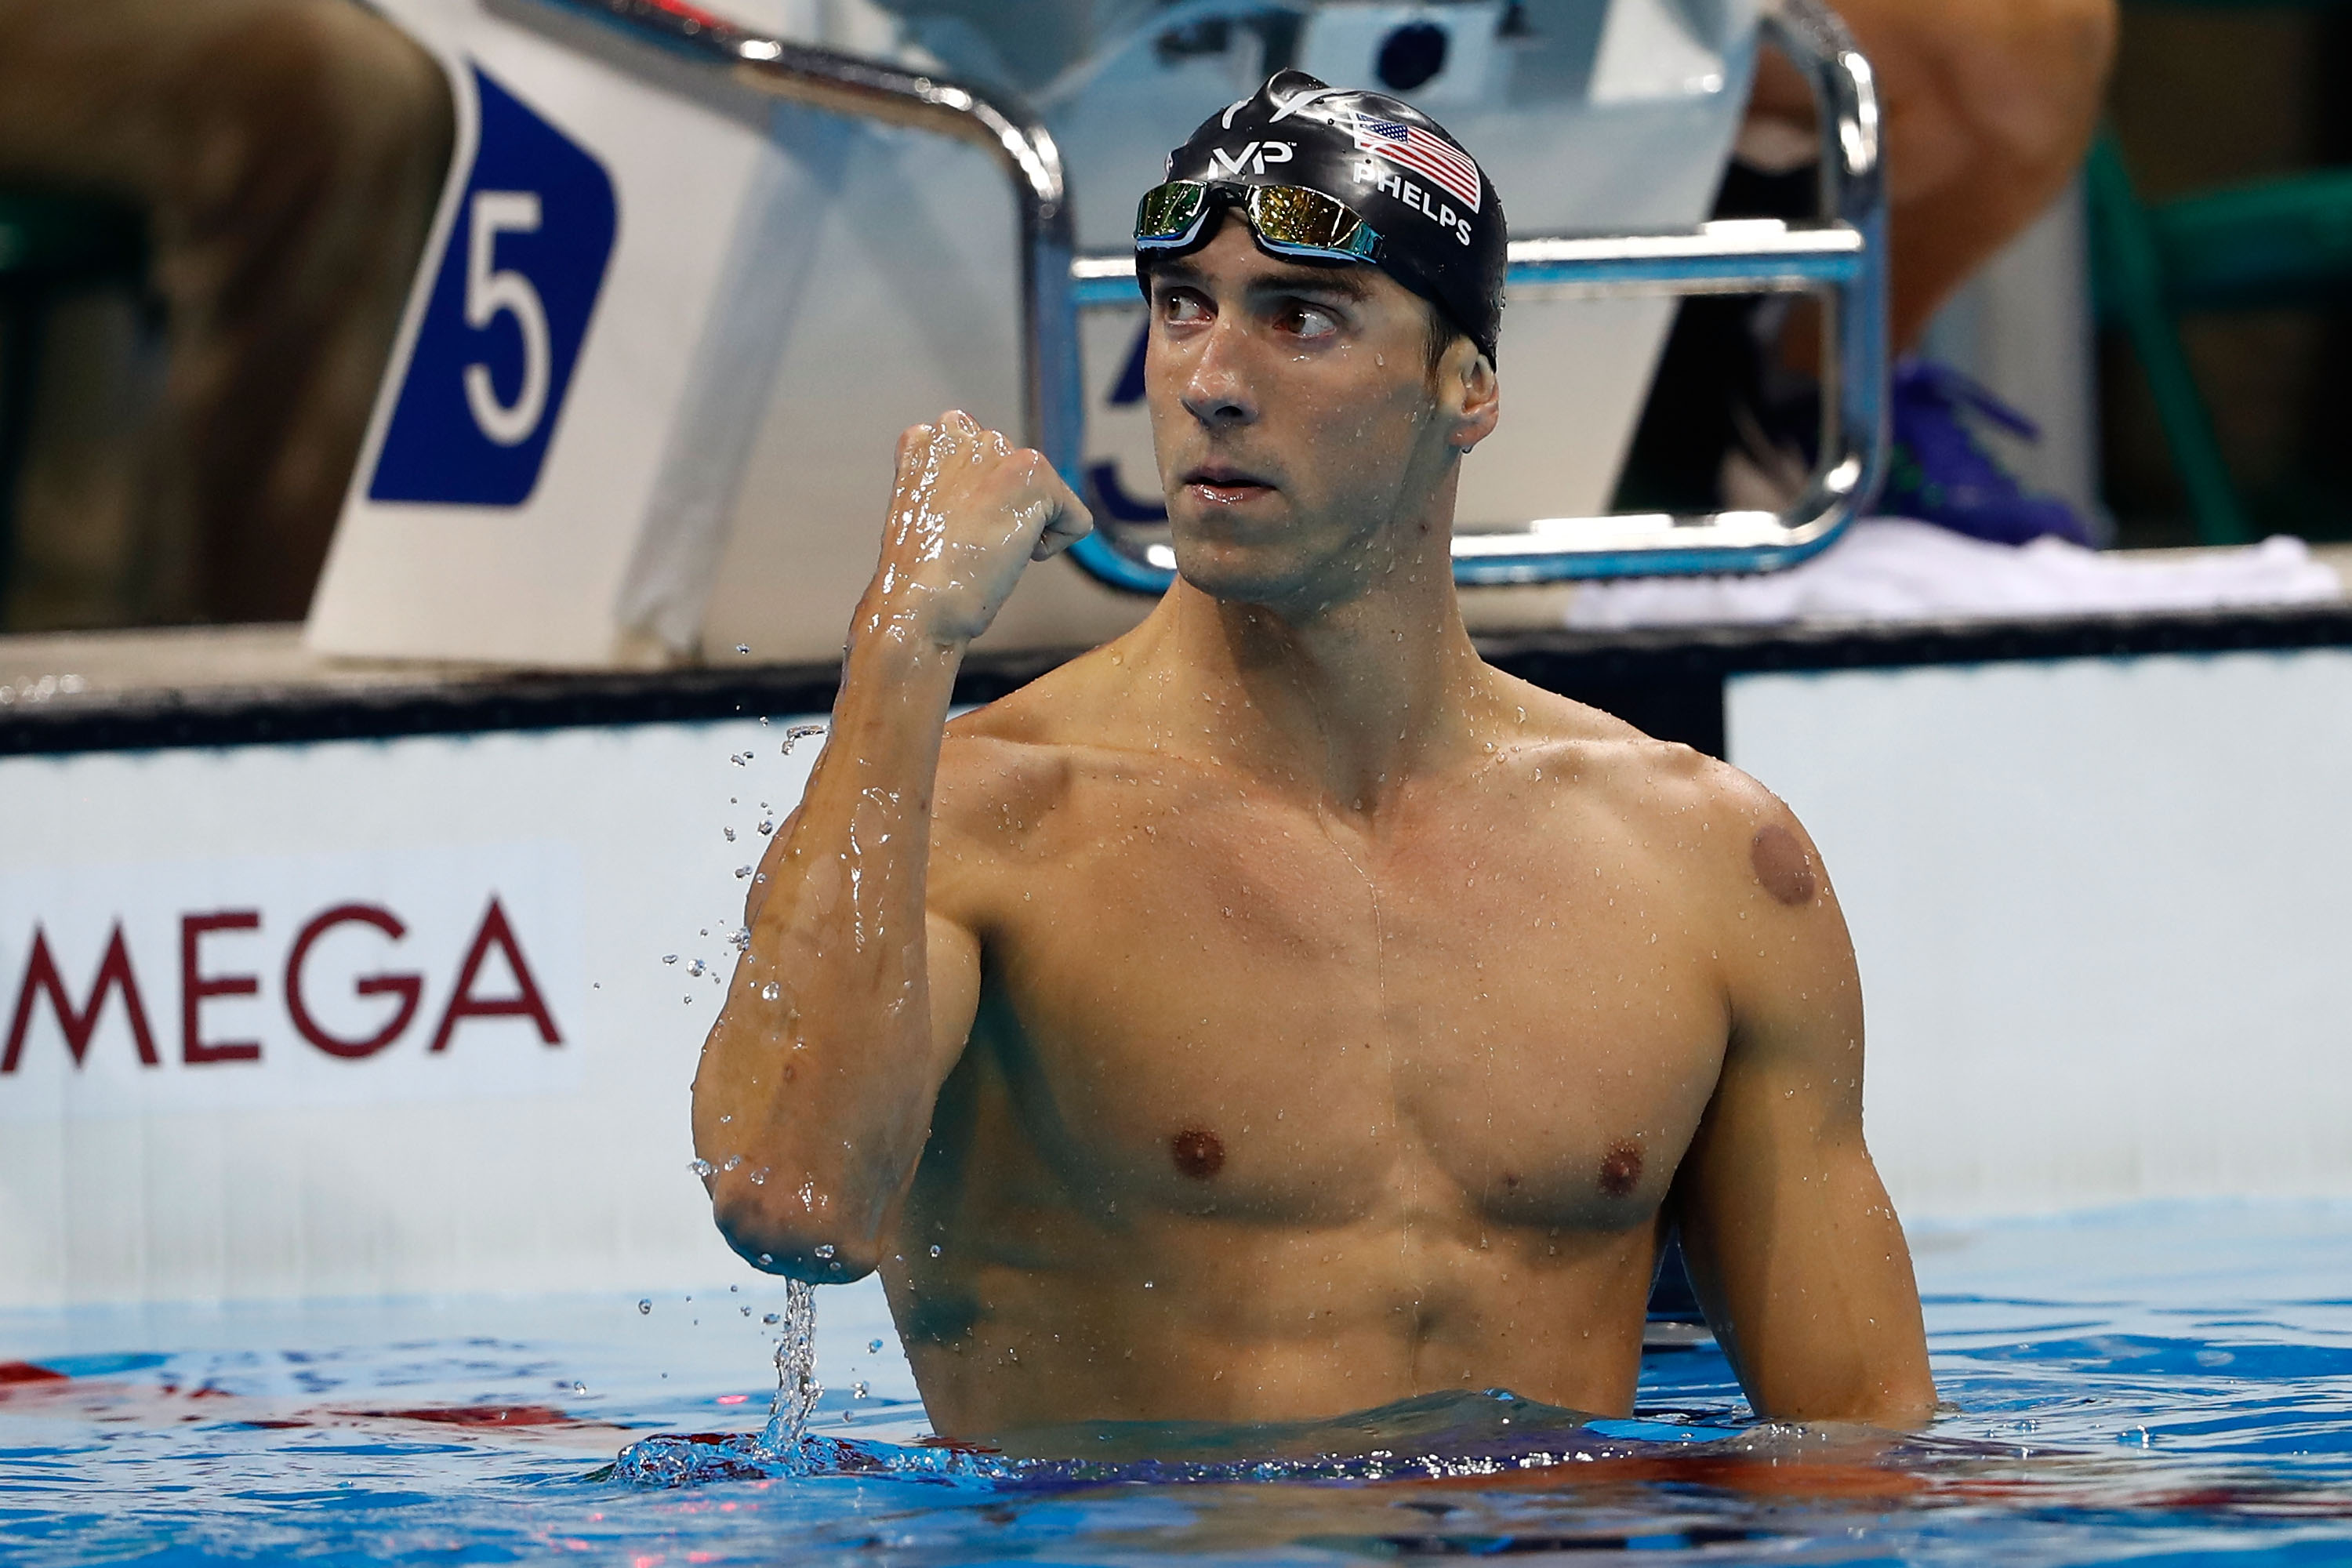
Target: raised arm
(814, 1095)
(1793, 1247)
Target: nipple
(1621, 1168)
(1784, 866)
(1197, 1153)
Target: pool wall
(246, 1160)
(2098, 903)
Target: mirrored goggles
(1288, 220)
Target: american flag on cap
(1432, 157)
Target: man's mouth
(1224, 485)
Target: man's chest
(1250, 1014)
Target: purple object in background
(1942, 474)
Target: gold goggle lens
(1284, 218)
(1288, 215)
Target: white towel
(1896, 569)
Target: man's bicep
(1793, 1245)
(1801, 1264)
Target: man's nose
(1216, 385)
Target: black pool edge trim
(1569, 662)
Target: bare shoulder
(1743, 874)
(1740, 838)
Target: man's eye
(1309, 322)
(1182, 307)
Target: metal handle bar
(1844, 255)
(1053, 407)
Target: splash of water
(796, 1385)
(782, 1448)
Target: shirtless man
(1278, 1011)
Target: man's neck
(1349, 701)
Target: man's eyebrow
(1180, 271)
(1348, 281)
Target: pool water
(2158, 1385)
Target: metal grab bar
(1053, 407)
(1843, 255)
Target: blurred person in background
(1989, 106)
(287, 156)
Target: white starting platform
(327, 979)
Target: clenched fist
(968, 512)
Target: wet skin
(1279, 1011)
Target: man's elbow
(800, 1233)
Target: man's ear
(1469, 395)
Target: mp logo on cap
(1254, 157)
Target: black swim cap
(1440, 222)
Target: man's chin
(1241, 573)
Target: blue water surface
(2161, 1385)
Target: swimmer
(1279, 1011)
